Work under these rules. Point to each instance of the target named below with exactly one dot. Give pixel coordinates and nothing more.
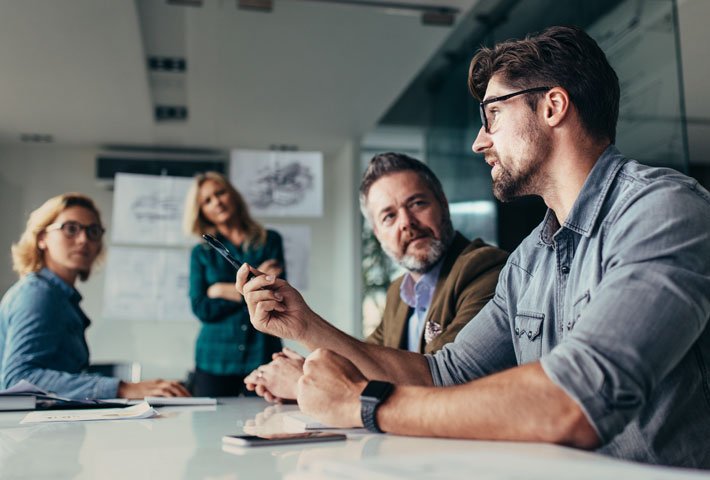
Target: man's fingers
(287, 352)
(262, 295)
(242, 277)
(260, 390)
(264, 309)
(259, 283)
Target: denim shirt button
(565, 269)
(517, 331)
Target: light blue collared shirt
(42, 339)
(614, 304)
(418, 296)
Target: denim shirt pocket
(528, 335)
(577, 306)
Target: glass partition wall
(436, 119)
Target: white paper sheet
(148, 210)
(279, 184)
(168, 401)
(142, 410)
(147, 284)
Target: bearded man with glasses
(597, 336)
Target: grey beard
(436, 252)
(413, 264)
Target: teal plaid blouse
(227, 343)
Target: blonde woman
(228, 347)
(41, 324)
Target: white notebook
(175, 401)
(168, 401)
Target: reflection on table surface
(186, 442)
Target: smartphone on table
(281, 439)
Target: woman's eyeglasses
(71, 229)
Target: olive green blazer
(466, 282)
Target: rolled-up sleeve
(649, 309)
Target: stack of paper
(17, 402)
(21, 396)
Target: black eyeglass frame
(95, 227)
(502, 98)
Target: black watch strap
(368, 414)
(371, 398)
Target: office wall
(31, 174)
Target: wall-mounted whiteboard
(279, 184)
(148, 210)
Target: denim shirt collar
(421, 292)
(584, 213)
(53, 279)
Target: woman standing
(228, 347)
(41, 324)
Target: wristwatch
(371, 397)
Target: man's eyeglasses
(71, 229)
(482, 105)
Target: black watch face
(376, 390)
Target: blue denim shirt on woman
(614, 304)
(42, 339)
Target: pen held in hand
(222, 250)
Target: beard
(435, 252)
(510, 184)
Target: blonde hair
(26, 254)
(194, 222)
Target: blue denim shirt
(42, 339)
(614, 304)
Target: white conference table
(186, 443)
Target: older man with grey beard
(448, 281)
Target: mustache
(491, 156)
(415, 235)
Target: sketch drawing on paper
(153, 207)
(277, 185)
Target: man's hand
(330, 388)
(277, 381)
(152, 388)
(271, 267)
(275, 307)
